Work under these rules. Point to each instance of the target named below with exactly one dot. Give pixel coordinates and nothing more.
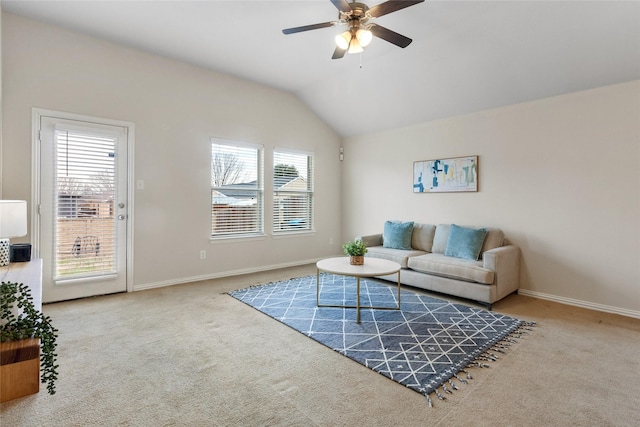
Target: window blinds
(292, 191)
(236, 189)
(85, 182)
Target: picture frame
(456, 174)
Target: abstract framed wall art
(446, 175)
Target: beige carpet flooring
(189, 355)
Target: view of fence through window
(292, 191)
(84, 202)
(237, 195)
(236, 189)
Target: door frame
(36, 115)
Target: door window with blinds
(236, 189)
(292, 191)
(85, 191)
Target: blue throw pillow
(397, 235)
(465, 242)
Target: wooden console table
(20, 360)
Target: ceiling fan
(356, 16)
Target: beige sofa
(492, 277)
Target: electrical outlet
(203, 254)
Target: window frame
(308, 194)
(257, 231)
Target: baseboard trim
(580, 303)
(260, 269)
(540, 295)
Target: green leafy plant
(355, 248)
(29, 323)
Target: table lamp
(13, 223)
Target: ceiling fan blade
(390, 36)
(339, 53)
(308, 27)
(391, 6)
(341, 5)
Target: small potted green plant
(20, 320)
(356, 251)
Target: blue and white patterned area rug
(428, 345)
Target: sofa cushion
(397, 255)
(464, 242)
(422, 236)
(494, 239)
(397, 235)
(440, 238)
(455, 268)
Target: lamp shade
(13, 218)
(364, 37)
(354, 46)
(343, 40)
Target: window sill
(236, 239)
(288, 234)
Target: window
(236, 189)
(292, 191)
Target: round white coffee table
(372, 267)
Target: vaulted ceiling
(466, 56)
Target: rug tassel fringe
(463, 381)
(488, 356)
(469, 377)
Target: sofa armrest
(372, 239)
(505, 262)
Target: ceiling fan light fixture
(343, 40)
(356, 15)
(354, 46)
(364, 37)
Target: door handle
(120, 217)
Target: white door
(83, 207)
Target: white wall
(561, 177)
(176, 109)
(1, 197)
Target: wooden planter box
(19, 368)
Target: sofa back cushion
(440, 238)
(494, 239)
(422, 237)
(465, 242)
(397, 235)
